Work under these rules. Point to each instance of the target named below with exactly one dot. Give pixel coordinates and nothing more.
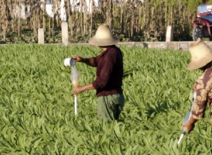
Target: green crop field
(37, 104)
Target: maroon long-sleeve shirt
(109, 72)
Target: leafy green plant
(37, 104)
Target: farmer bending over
(109, 74)
(201, 58)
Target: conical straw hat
(201, 55)
(103, 37)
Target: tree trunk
(34, 23)
(69, 21)
(91, 17)
(19, 19)
(44, 18)
(122, 17)
(81, 16)
(85, 12)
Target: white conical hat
(201, 55)
(103, 37)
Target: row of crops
(37, 104)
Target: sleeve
(203, 86)
(95, 59)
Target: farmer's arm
(203, 86)
(88, 61)
(80, 89)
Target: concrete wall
(183, 45)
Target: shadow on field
(164, 107)
(2, 42)
(128, 73)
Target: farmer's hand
(189, 126)
(78, 58)
(77, 90)
(195, 86)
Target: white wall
(75, 6)
(24, 12)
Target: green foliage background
(37, 114)
(129, 20)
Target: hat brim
(200, 63)
(103, 42)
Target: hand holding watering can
(188, 122)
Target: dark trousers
(109, 107)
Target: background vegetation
(130, 20)
(37, 113)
